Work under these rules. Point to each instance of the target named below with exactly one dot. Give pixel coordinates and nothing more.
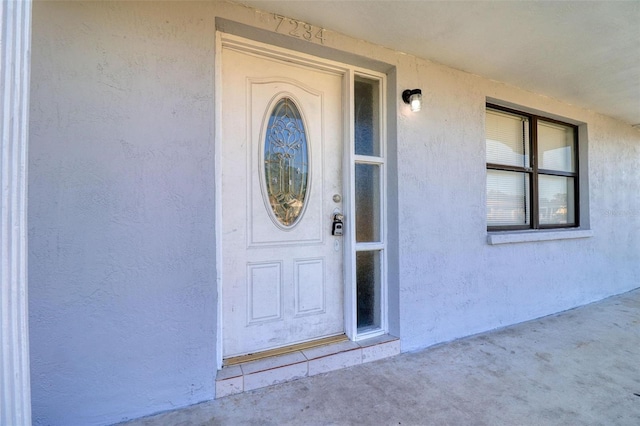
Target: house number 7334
(299, 29)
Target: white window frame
(380, 246)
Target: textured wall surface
(122, 284)
(121, 208)
(452, 282)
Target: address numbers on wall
(299, 29)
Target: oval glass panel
(286, 162)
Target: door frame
(348, 72)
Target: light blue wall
(122, 280)
(122, 283)
(453, 283)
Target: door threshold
(281, 368)
(283, 350)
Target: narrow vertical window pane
(556, 147)
(508, 198)
(367, 189)
(557, 200)
(507, 139)
(367, 116)
(368, 281)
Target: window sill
(495, 238)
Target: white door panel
(282, 281)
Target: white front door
(282, 130)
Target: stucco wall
(452, 282)
(122, 255)
(122, 280)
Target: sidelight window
(369, 206)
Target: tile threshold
(261, 373)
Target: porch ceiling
(585, 53)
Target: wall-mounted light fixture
(413, 98)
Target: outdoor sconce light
(413, 98)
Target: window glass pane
(367, 202)
(507, 139)
(557, 200)
(368, 282)
(367, 120)
(508, 198)
(286, 162)
(556, 147)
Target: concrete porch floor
(579, 367)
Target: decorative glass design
(286, 162)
